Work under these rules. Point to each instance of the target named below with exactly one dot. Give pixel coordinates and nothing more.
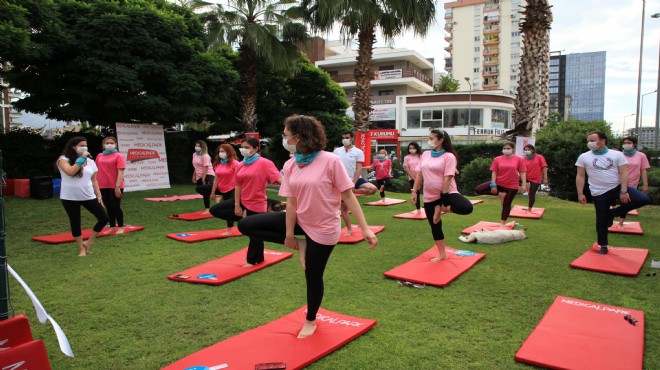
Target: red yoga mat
(30, 355)
(192, 216)
(412, 215)
(634, 228)
(227, 268)
(476, 201)
(386, 202)
(578, 334)
(441, 273)
(618, 260)
(175, 197)
(15, 331)
(200, 236)
(68, 238)
(521, 212)
(487, 225)
(356, 236)
(277, 342)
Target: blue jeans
(604, 215)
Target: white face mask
(245, 152)
(110, 147)
(412, 151)
(528, 152)
(380, 156)
(346, 142)
(628, 147)
(222, 155)
(592, 145)
(198, 149)
(81, 149)
(507, 151)
(291, 148)
(431, 144)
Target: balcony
(405, 73)
(494, 28)
(491, 85)
(491, 52)
(449, 48)
(448, 38)
(491, 8)
(492, 41)
(491, 73)
(491, 18)
(491, 62)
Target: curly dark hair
(416, 146)
(71, 153)
(310, 132)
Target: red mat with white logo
(192, 216)
(578, 334)
(441, 273)
(618, 260)
(277, 342)
(68, 238)
(521, 212)
(356, 236)
(200, 236)
(385, 202)
(227, 268)
(412, 215)
(489, 226)
(175, 197)
(634, 228)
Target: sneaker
(602, 250)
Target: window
(385, 92)
(515, 45)
(554, 76)
(515, 55)
(477, 48)
(554, 83)
(554, 62)
(500, 118)
(431, 118)
(554, 90)
(477, 38)
(477, 60)
(514, 34)
(458, 117)
(475, 70)
(413, 119)
(554, 69)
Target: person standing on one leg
(608, 180)
(637, 166)
(537, 172)
(315, 182)
(203, 174)
(111, 166)
(383, 168)
(508, 171)
(224, 181)
(411, 165)
(437, 171)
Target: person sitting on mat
(637, 166)
(508, 171)
(315, 182)
(383, 168)
(537, 171)
(203, 174)
(80, 188)
(411, 165)
(437, 171)
(224, 182)
(110, 176)
(252, 175)
(608, 180)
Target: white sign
(385, 114)
(521, 141)
(143, 146)
(386, 75)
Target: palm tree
(531, 105)
(446, 83)
(362, 18)
(263, 32)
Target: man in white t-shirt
(608, 180)
(352, 158)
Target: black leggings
(459, 205)
(227, 195)
(113, 206)
(205, 190)
(419, 192)
(531, 193)
(508, 199)
(388, 185)
(72, 208)
(271, 227)
(225, 210)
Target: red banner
(384, 135)
(252, 134)
(363, 142)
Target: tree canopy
(446, 83)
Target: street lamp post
(641, 119)
(657, 97)
(624, 123)
(469, 108)
(639, 74)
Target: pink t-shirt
(252, 180)
(108, 166)
(317, 188)
(225, 175)
(383, 168)
(636, 164)
(434, 170)
(535, 168)
(412, 162)
(201, 161)
(508, 170)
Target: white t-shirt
(350, 159)
(603, 170)
(78, 188)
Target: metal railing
(406, 73)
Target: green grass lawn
(119, 311)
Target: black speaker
(41, 187)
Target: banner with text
(521, 141)
(143, 146)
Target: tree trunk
(248, 88)
(363, 76)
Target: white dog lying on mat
(486, 236)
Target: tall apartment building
(484, 43)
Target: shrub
(654, 184)
(473, 174)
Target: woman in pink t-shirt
(437, 171)
(383, 167)
(315, 182)
(537, 172)
(224, 182)
(638, 163)
(203, 174)
(508, 172)
(111, 165)
(411, 165)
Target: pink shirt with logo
(252, 180)
(508, 170)
(383, 168)
(412, 161)
(317, 188)
(535, 168)
(225, 175)
(434, 170)
(636, 164)
(108, 166)
(199, 163)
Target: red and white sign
(143, 146)
(363, 142)
(384, 135)
(521, 141)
